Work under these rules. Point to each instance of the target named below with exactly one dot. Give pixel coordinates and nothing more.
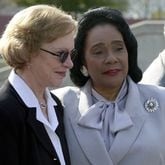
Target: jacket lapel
(60, 129)
(90, 140)
(61, 133)
(40, 131)
(124, 139)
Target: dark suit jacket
(23, 139)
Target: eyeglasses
(63, 55)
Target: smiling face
(106, 57)
(46, 69)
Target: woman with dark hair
(109, 118)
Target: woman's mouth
(112, 72)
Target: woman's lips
(62, 74)
(112, 72)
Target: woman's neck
(107, 93)
(37, 88)
(29, 79)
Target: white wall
(151, 41)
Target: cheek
(48, 68)
(124, 62)
(126, 65)
(94, 68)
(52, 63)
(92, 64)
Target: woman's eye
(98, 52)
(120, 48)
(117, 49)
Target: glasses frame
(63, 55)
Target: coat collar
(90, 139)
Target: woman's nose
(68, 63)
(110, 58)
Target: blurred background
(146, 18)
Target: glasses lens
(63, 56)
(73, 54)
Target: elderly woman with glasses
(109, 118)
(38, 44)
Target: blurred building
(151, 40)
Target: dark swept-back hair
(98, 16)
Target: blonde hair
(31, 27)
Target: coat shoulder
(154, 91)
(68, 93)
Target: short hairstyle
(89, 20)
(29, 29)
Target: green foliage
(77, 5)
(159, 14)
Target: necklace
(42, 105)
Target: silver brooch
(151, 105)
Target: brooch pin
(151, 105)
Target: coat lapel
(124, 139)
(61, 134)
(60, 129)
(40, 131)
(90, 140)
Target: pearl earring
(84, 71)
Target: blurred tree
(159, 14)
(77, 5)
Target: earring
(84, 71)
(29, 65)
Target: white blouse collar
(30, 100)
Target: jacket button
(54, 159)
